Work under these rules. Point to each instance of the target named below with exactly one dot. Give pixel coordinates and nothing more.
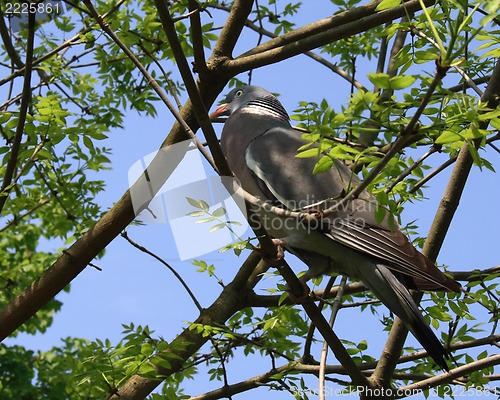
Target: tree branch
(332, 67)
(437, 233)
(23, 111)
(77, 257)
(231, 31)
(189, 341)
(194, 95)
(166, 264)
(200, 64)
(453, 374)
(263, 379)
(324, 349)
(9, 47)
(319, 33)
(255, 300)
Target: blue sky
(134, 288)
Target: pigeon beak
(221, 110)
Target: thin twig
(466, 77)
(7, 42)
(432, 174)
(310, 333)
(409, 170)
(170, 84)
(152, 82)
(27, 213)
(53, 192)
(324, 350)
(162, 261)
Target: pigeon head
(249, 98)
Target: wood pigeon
(261, 148)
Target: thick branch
(437, 233)
(453, 374)
(200, 64)
(189, 341)
(297, 289)
(231, 31)
(331, 66)
(23, 111)
(77, 257)
(194, 95)
(320, 33)
(7, 42)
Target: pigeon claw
(316, 213)
(279, 255)
(280, 249)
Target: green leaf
(362, 345)
(217, 227)
(147, 369)
(323, 165)
(160, 362)
(203, 220)
(219, 212)
(380, 80)
(89, 144)
(44, 154)
(475, 155)
(386, 4)
(147, 349)
(162, 346)
(401, 82)
(196, 213)
(380, 213)
(4, 117)
(193, 202)
(203, 205)
(474, 133)
(448, 137)
(237, 223)
(495, 123)
(308, 153)
(425, 56)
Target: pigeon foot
(280, 252)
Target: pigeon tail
(403, 305)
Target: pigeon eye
(238, 93)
